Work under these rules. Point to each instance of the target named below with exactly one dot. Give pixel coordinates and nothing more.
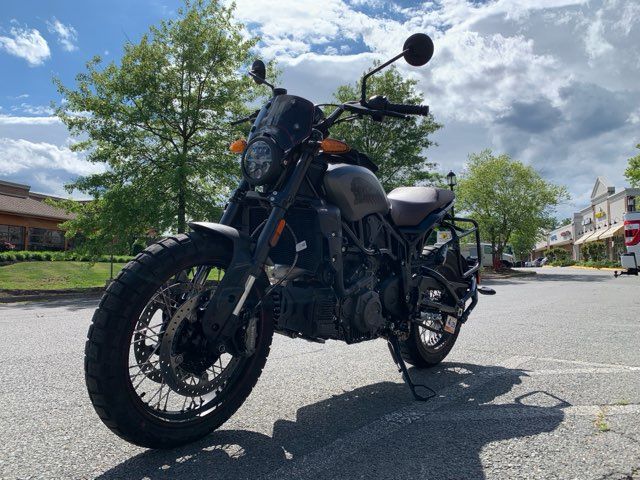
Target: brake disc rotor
(190, 371)
(145, 339)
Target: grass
(55, 275)
(601, 421)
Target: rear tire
(107, 349)
(414, 350)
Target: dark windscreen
(287, 119)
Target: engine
(308, 306)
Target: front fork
(221, 316)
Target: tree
(556, 222)
(506, 197)
(158, 122)
(633, 170)
(523, 241)
(396, 146)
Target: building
(29, 223)
(600, 221)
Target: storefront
(27, 222)
(596, 230)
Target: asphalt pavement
(544, 382)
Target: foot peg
(394, 348)
(486, 291)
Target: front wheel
(151, 374)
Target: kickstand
(394, 348)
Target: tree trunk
(182, 191)
(497, 258)
(182, 211)
(494, 256)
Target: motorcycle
(309, 246)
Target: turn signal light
(331, 145)
(238, 146)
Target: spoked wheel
(151, 373)
(426, 347)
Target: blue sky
(551, 82)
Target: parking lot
(544, 382)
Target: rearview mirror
(418, 49)
(258, 71)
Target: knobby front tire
(111, 339)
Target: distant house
(27, 222)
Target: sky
(553, 83)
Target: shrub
(593, 251)
(567, 262)
(600, 264)
(556, 253)
(58, 256)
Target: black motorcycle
(309, 246)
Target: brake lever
(389, 113)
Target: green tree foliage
(556, 253)
(396, 146)
(507, 198)
(158, 122)
(633, 170)
(523, 240)
(556, 222)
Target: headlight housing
(261, 161)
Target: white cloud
(27, 44)
(32, 109)
(67, 35)
(596, 44)
(17, 155)
(12, 120)
(551, 82)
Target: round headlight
(261, 161)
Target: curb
(610, 269)
(23, 296)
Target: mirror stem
(363, 95)
(260, 81)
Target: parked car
(470, 251)
(537, 262)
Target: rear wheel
(150, 372)
(425, 348)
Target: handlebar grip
(409, 109)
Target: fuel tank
(355, 190)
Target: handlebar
(381, 103)
(245, 119)
(409, 109)
(377, 108)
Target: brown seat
(411, 205)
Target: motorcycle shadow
(443, 441)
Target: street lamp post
(451, 181)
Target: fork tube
(280, 203)
(234, 202)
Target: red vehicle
(631, 259)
